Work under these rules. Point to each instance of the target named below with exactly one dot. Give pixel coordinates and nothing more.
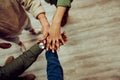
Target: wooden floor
(93, 48)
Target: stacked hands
(52, 35)
(54, 44)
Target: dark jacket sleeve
(54, 68)
(20, 64)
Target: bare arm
(55, 39)
(45, 24)
(36, 9)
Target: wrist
(56, 22)
(41, 15)
(43, 20)
(59, 14)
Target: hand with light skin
(54, 38)
(45, 24)
(64, 37)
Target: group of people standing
(13, 19)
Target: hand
(45, 25)
(63, 36)
(54, 39)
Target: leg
(52, 2)
(65, 17)
(29, 28)
(5, 45)
(14, 39)
(27, 25)
(20, 64)
(54, 68)
(17, 41)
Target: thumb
(44, 36)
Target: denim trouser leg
(54, 68)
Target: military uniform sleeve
(65, 3)
(20, 64)
(32, 6)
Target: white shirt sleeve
(32, 6)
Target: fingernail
(53, 51)
(44, 41)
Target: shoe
(29, 77)
(9, 59)
(22, 46)
(5, 45)
(32, 31)
(65, 18)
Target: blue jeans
(54, 68)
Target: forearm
(58, 15)
(43, 20)
(20, 64)
(54, 68)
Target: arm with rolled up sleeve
(36, 9)
(32, 6)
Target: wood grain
(93, 48)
